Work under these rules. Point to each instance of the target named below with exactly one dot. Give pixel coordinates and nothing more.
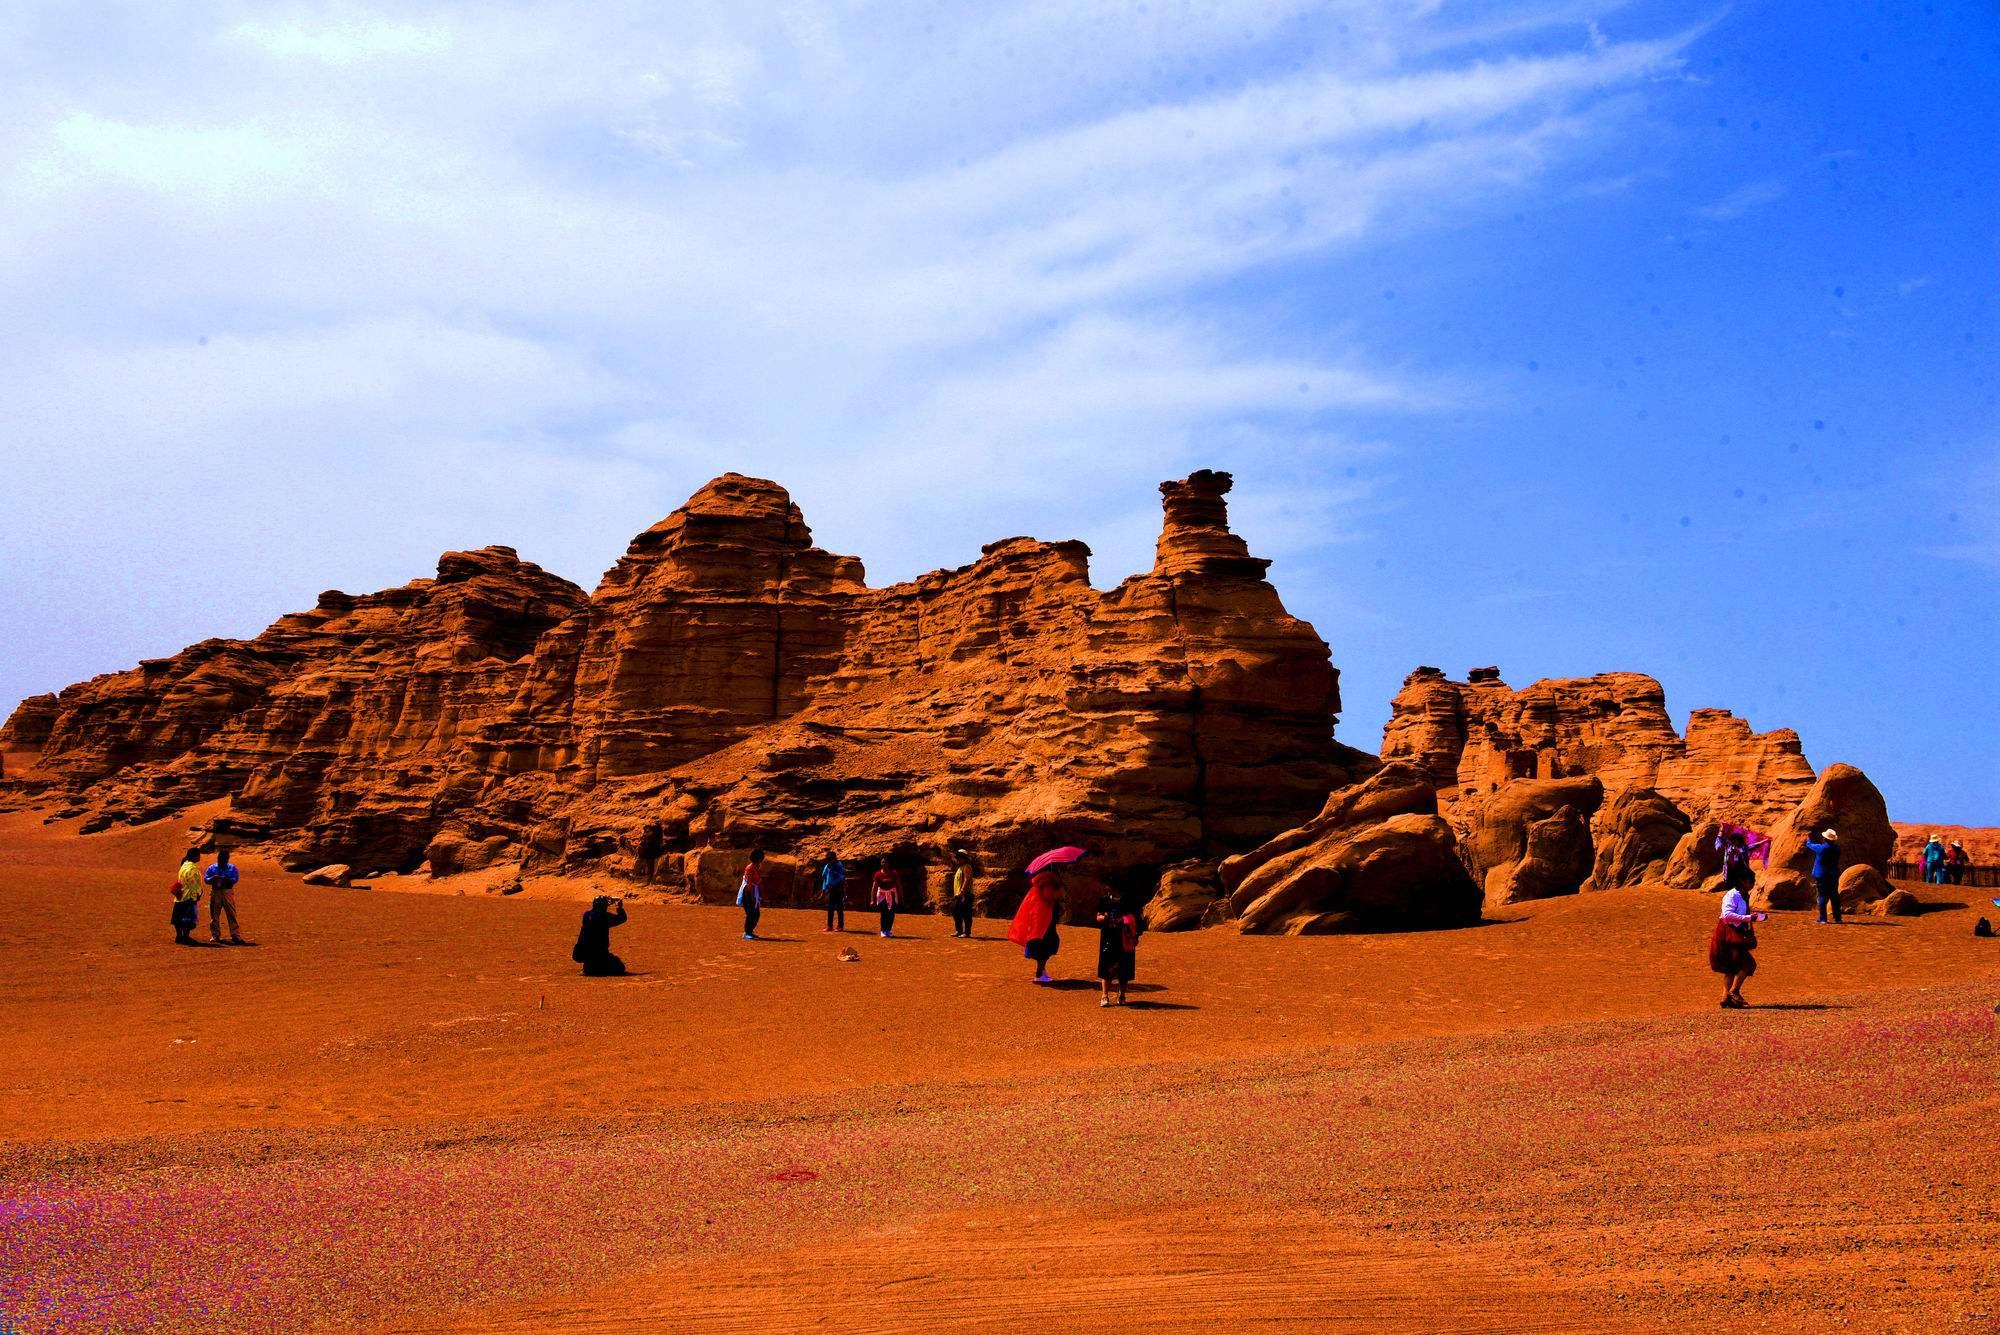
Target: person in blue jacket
(1934, 861)
(1826, 871)
(833, 889)
(221, 879)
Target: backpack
(1982, 928)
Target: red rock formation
(27, 728)
(729, 684)
(1633, 836)
(1529, 839)
(1376, 858)
(1843, 800)
(338, 730)
(1474, 736)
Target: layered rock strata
(730, 684)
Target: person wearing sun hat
(1934, 861)
(1825, 852)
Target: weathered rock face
(1634, 836)
(28, 727)
(730, 685)
(1844, 801)
(1529, 839)
(1186, 896)
(1376, 858)
(340, 729)
(1474, 736)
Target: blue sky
(1565, 337)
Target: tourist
(1117, 946)
(1826, 871)
(1034, 928)
(220, 878)
(833, 889)
(593, 939)
(961, 893)
(750, 893)
(887, 888)
(1957, 862)
(1934, 860)
(1738, 844)
(187, 898)
(1732, 947)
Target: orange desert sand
(405, 1112)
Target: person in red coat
(1035, 922)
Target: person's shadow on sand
(1160, 1006)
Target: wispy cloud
(900, 244)
(1743, 200)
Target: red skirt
(1728, 952)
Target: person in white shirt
(1732, 947)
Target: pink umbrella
(1054, 856)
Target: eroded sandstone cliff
(731, 684)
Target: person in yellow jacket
(187, 898)
(961, 893)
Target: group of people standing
(1036, 926)
(1945, 864)
(219, 880)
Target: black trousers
(888, 919)
(836, 912)
(751, 912)
(1829, 894)
(961, 915)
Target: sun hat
(1827, 833)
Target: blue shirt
(221, 874)
(1826, 858)
(832, 876)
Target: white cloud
(473, 266)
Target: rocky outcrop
(1376, 858)
(28, 727)
(730, 685)
(1478, 735)
(1185, 897)
(1633, 838)
(1843, 800)
(1529, 839)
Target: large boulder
(1377, 858)
(1634, 836)
(1899, 904)
(450, 852)
(1696, 862)
(1843, 800)
(1862, 885)
(1186, 893)
(1529, 839)
(1393, 790)
(1401, 874)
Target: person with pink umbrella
(1035, 923)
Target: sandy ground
(404, 1112)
